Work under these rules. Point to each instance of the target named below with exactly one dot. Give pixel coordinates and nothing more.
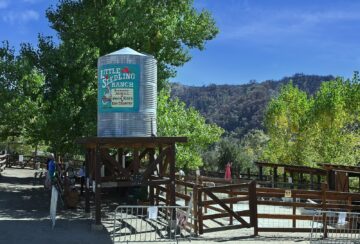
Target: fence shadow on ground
(39, 231)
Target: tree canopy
(321, 128)
(50, 91)
(174, 119)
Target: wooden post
(136, 160)
(311, 181)
(161, 164)
(172, 155)
(318, 182)
(205, 207)
(200, 214)
(231, 207)
(275, 177)
(294, 213)
(285, 178)
(97, 187)
(323, 190)
(248, 173)
(195, 208)
(120, 153)
(349, 203)
(260, 173)
(151, 188)
(253, 207)
(88, 158)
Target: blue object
(52, 168)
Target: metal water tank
(127, 92)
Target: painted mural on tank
(119, 88)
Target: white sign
(152, 212)
(287, 193)
(53, 205)
(342, 218)
(21, 158)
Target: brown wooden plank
(183, 183)
(226, 187)
(226, 200)
(222, 215)
(119, 142)
(284, 216)
(289, 204)
(216, 209)
(182, 196)
(151, 167)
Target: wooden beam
(130, 142)
(87, 194)
(152, 166)
(97, 187)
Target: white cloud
(4, 4)
(20, 17)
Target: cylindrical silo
(127, 92)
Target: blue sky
(258, 39)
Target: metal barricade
(152, 224)
(335, 227)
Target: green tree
(286, 120)
(335, 122)
(165, 29)
(323, 128)
(252, 148)
(229, 151)
(89, 29)
(21, 97)
(174, 119)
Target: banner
(118, 89)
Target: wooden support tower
(152, 164)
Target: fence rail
(151, 224)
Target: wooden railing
(303, 204)
(242, 204)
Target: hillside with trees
(240, 108)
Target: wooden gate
(233, 202)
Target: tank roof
(126, 51)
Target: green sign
(118, 89)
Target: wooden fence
(301, 206)
(213, 201)
(221, 205)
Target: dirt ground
(24, 218)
